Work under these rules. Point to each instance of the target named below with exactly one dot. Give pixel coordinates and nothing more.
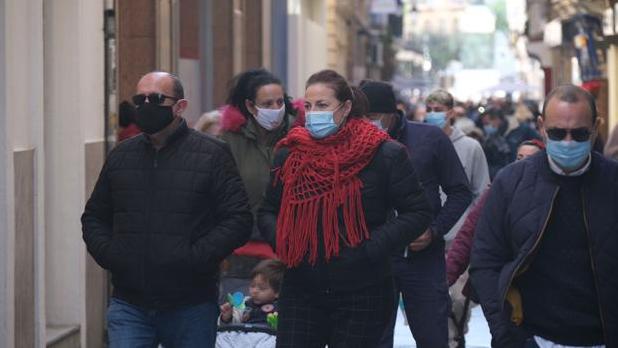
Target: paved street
(478, 336)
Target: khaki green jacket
(254, 156)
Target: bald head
(168, 83)
(161, 82)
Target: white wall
(51, 100)
(21, 103)
(91, 69)
(73, 114)
(6, 304)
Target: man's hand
(226, 312)
(422, 242)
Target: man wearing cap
(419, 271)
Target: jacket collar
(556, 168)
(250, 131)
(178, 133)
(592, 173)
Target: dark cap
(380, 95)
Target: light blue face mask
(490, 129)
(569, 155)
(321, 124)
(436, 118)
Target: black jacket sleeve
(233, 218)
(490, 253)
(407, 197)
(97, 220)
(269, 210)
(454, 183)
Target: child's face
(261, 292)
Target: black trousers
(337, 319)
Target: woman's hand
(422, 242)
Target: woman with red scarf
(329, 212)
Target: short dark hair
(272, 270)
(572, 94)
(179, 91)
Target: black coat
(389, 182)
(516, 213)
(498, 153)
(438, 167)
(161, 221)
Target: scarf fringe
(318, 183)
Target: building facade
(566, 37)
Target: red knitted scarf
(320, 177)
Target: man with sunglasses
(168, 206)
(544, 258)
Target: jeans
(422, 282)
(129, 326)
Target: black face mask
(153, 118)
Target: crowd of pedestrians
(308, 223)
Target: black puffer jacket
(161, 221)
(389, 182)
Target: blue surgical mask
(436, 118)
(490, 129)
(568, 154)
(320, 124)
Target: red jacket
(458, 256)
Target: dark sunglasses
(578, 134)
(153, 98)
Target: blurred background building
(66, 64)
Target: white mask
(270, 119)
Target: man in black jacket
(168, 206)
(420, 270)
(544, 256)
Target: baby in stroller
(251, 321)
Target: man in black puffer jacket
(544, 256)
(168, 206)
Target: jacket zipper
(148, 217)
(534, 247)
(594, 274)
